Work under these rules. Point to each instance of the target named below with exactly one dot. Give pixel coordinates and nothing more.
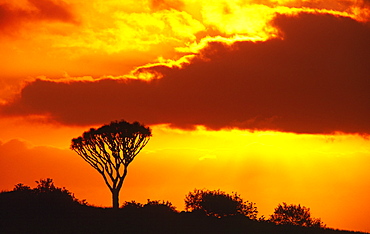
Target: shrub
(294, 215)
(219, 204)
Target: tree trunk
(115, 194)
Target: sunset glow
(267, 98)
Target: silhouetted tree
(219, 204)
(110, 149)
(294, 215)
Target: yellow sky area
(250, 20)
(133, 31)
(325, 172)
(328, 173)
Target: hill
(28, 212)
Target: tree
(294, 215)
(219, 204)
(110, 149)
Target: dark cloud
(53, 10)
(8, 16)
(166, 4)
(315, 80)
(12, 17)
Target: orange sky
(266, 98)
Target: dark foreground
(93, 220)
(23, 215)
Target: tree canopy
(110, 149)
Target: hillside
(22, 212)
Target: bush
(151, 206)
(294, 215)
(47, 192)
(160, 206)
(219, 204)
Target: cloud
(166, 4)
(314, 80)
(124, 27)
(13, 16)
(53, 10)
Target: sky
(267, 98)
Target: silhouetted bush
(160, 206)
(219, 204)
(132, 205)
(153, 206)
(48, 194)
(21, 187)
(43, 199)
(294, 215)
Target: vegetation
(219, 204)
(47, 193)
(156, 205)
(49, 209)
(295, 215)
(110, 149)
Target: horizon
(269, 99)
